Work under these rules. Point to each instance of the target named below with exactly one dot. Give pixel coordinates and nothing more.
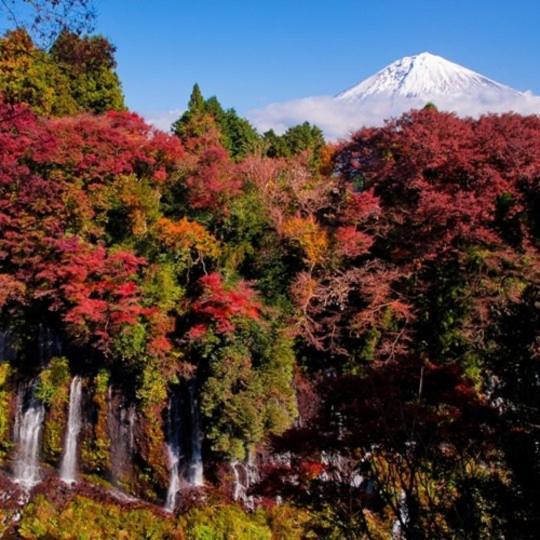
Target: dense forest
(218, 334)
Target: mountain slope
(424, 76)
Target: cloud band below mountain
(339, 117)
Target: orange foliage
(312, 239)
(186, 235)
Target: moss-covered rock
(53, 391)
(152, 395)
(5, 409)
(96, 443)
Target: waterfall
(238, 489)
(402, 519)
(121, 419)
(28, 428)
(173, 452)
(131, 424)
(195, 473)
(68, 468)
(245, 476)
(333, 463)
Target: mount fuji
(408, 83)
(426, 76)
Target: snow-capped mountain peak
(408, 83)
(424, 75)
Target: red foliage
(351, 242)
(94, 290)
(311, 469)
(211, 176)
(219, 305)
(360, 207)
(441, 178)
(50, 172)
(424, 191)
(98, 148)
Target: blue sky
(251, 53)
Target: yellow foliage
(312, 239)
(186, 235)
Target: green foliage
(89, 65)
(248, 390)
(161, 288)
(224, 522)
(29, 75)
(85, 519)
(132, 206)
(276, 145)
(238, 136)
(243, 228)
(430, 106)
(130, 343)
(152, 389)
(76, 75)
(288, 522)
(297, 139)
(219, 521)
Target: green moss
(288, 523)
(85, 519)
(5, 409)
(53, 390)
(152, 396)
(95, 452)
(224, 523)
(53, 386)
(152, 388)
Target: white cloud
(163, 120)
(339, 117)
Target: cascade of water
(173, 452)
(68, 467)
(28, 427)
(245, 476)
(253, 475)
(196, 470)
(131, 425)
(238, 488)
(403, 519)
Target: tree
(76, 74)
(237, 135)
(89, 64)
(29, 75)
(438, 211)
(297, 139)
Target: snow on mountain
(424, 76)
(405, 84)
